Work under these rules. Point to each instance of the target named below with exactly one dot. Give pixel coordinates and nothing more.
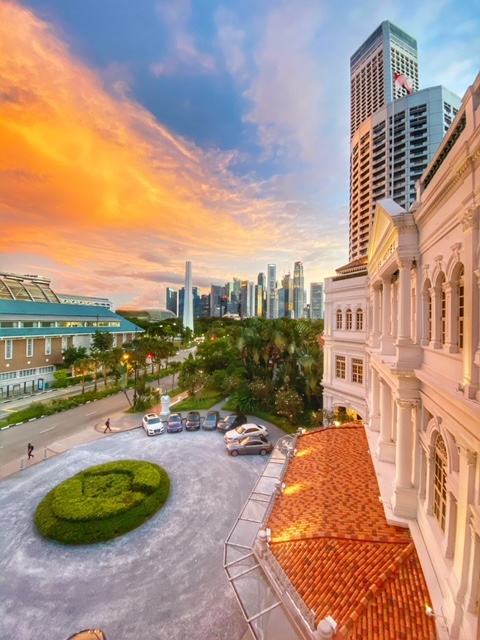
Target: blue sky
(253, 101)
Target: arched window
(339, 322)
(440, 482)
(359, 320)
(461, 308)
(348, 319)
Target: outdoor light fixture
(336, 423)
(269, 535)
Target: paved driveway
(163, 581)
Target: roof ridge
(373, 590)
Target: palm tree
(174, 368)
(83, 366)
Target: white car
(245, 430)
(152, 424)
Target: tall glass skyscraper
(298, 290)
(317, 301)
(272, 302)
(172, 300)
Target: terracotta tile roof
(330, 535)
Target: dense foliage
(274, 366)
(103, 502)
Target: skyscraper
(172, 300)
(387, 51)
(317, 301)
(286, 297)
(272, 303)
(188, 301)
(298, 290)
(393, 135)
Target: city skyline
(219, 137)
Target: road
(44, 431)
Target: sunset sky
(136, 135)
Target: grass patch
(207, 399)
(103, 502)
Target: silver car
(251, 445)
(245, 430)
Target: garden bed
(103, 502)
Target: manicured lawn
(103, 502)
(208, 399)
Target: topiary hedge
(103, 502)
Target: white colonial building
(422, 366)
(345, 371)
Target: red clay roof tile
(330, 535)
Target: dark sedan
(231, 422)
(193, 421)
(175, 423)
(251, 445)
(211, 420)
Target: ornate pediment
(382, 239)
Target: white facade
(345, 367)
(424, 358)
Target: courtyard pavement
(164, 580)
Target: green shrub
(103, 502)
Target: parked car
(250, 445)
(246, 430)
(211, 420)
(231, 422)
(193, 421)
(152, 424)
(175, 423)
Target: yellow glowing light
(293, 488)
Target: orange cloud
(74, 157)
(91, 183)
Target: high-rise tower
(188, 301)
(272, 301)
(395, 130)
(298, 290)
(387, 51)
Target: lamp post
(135, 372)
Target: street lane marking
(91, 413)
(45, 430)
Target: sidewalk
(119, 422)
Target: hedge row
(103, 502)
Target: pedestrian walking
(107, 425)
(30, 449)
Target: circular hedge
(103, 502)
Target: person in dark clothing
(107, 425)
(30, 449)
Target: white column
(474, 574)
(404, 306)
(466, 491)
(374, 418)
(404, 500)
(376, 317)
(403, 457)
(386, 447)
(387, 347)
